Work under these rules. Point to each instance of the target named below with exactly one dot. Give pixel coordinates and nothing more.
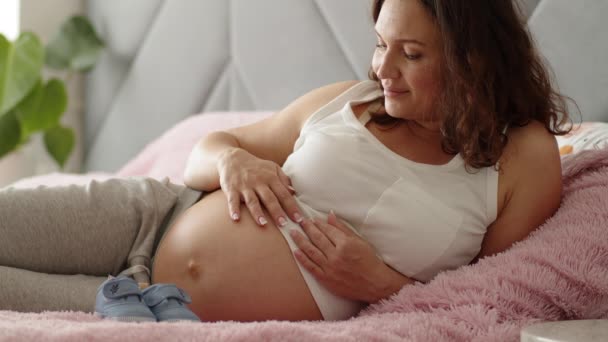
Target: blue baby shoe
(167, 302)
(120, 299)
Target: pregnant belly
(232, 270)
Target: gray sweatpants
(58, 244)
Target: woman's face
(408, 60)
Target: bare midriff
(232, 270)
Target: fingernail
(298, 217)
(262, 220)
(291, 188)
(331, 212)
(235, 216)
(282, 221)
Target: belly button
(193, 269)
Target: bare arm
(201, 170)
(246, 162)
(536, 194)
(387, 285)
(535, 162)
(272, 138)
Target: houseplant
(28, 103)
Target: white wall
(9, 18)
(44, 18)
(528, 6)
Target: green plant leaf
(75, 46)
(20, 66)
(43, 107)
(59, 142)
(9, 133)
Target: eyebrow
(403, 40)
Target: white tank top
(420, 218)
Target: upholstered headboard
(166, 60)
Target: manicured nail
(262, 220)
(282, 221)
(331, 212)
(235, 216)
(298, 217)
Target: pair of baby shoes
(121, 299)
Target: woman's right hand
(245, 177)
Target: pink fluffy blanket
(560, 272)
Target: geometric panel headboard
(168, 59)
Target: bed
(190, 67)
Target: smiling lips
(389, 92)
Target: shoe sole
(126, 318)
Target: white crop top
(420, 218)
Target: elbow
(200, 172)
(189, 175)
(188, 179)
(193, 178)
(195, 182)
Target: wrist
(389, 283)
(226, 155)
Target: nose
(387, 69)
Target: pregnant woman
(351, 192)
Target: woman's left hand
(341, 260)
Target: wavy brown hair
(493, 76)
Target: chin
(398, 112)
(404, 112)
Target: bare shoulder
(273, 138)
(296, 112)
(317, 98)
(530, 154)
(335, 89)
(531, 170)
(530, 147)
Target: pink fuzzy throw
(560, 272)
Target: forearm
(201, 171)
(389, 283)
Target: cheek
(375, 63)
(424, 81)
